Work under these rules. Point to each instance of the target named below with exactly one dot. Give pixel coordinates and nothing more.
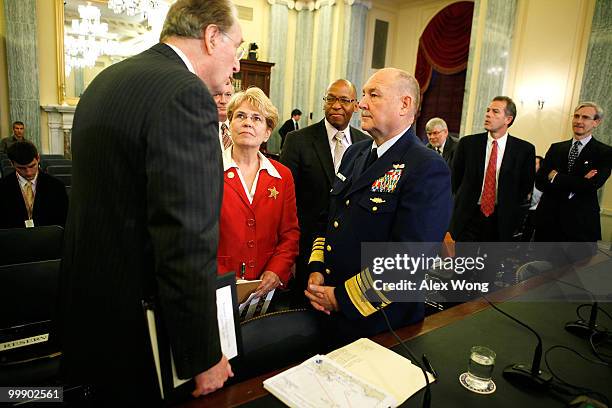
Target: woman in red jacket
(259, 231)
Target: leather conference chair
(59, 169)
(20, 245)
(28, 298)
(276, 340)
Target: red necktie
(487, 201)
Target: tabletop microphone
(581, 327)
(522, 374)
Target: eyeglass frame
(240, 51)
(335, 99)
(264, 120)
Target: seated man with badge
(30, 197)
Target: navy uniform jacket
(416, 209)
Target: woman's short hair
(258, 100)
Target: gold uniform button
(347, 202)
(327, 271)
(336, 224)
(374, 208)
(328, 248)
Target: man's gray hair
(599, 112)
(435, 122)
(409, 85)
(189, 18)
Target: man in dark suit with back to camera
(290, 125)
(30, 197)
(437, 134)
(393, 189)
(313, 155)
(492, 175)
(569, 178)
(144, 213)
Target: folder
(171, 387)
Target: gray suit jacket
(143, 222)
(307, 154)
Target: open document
(319, 382)
(249, 304)
(362, 373)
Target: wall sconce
(541, 103)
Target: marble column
(277, 39)
(596, 82)
(354, 45)
(322, 62)
(492, 67)
(302, 67)
(22, 61)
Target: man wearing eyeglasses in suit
(313, 154)
(437, 134)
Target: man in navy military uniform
(393, 189)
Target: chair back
(21, 245)
(57, 169)
(28, 298)
(64, 178)
(276, 340)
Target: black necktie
(296, 126)
(371, 159)
(573, 155)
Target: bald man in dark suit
(144, 213)
(313, 154)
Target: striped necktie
(225, 136)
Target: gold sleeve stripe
(357, 297)
(317, 253)
(367, 277)
(317, 256)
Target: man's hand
(213, 378)
(590, 174)
(322, 298)
(316, 278)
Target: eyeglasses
(240, 51)
(330, 100)
(434, 133)
(255, 118)
(583, 117)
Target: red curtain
(445, 43)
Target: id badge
(29, 223)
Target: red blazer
(264, 235)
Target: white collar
(182, 55)
(264, 163)
(331, 132)
(584, 140)
(22, 181)
(501, 142)
(382, 149)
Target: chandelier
(86, 39)
(133, 7)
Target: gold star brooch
(273, 192)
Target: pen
(242, 270)
(429, 367)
